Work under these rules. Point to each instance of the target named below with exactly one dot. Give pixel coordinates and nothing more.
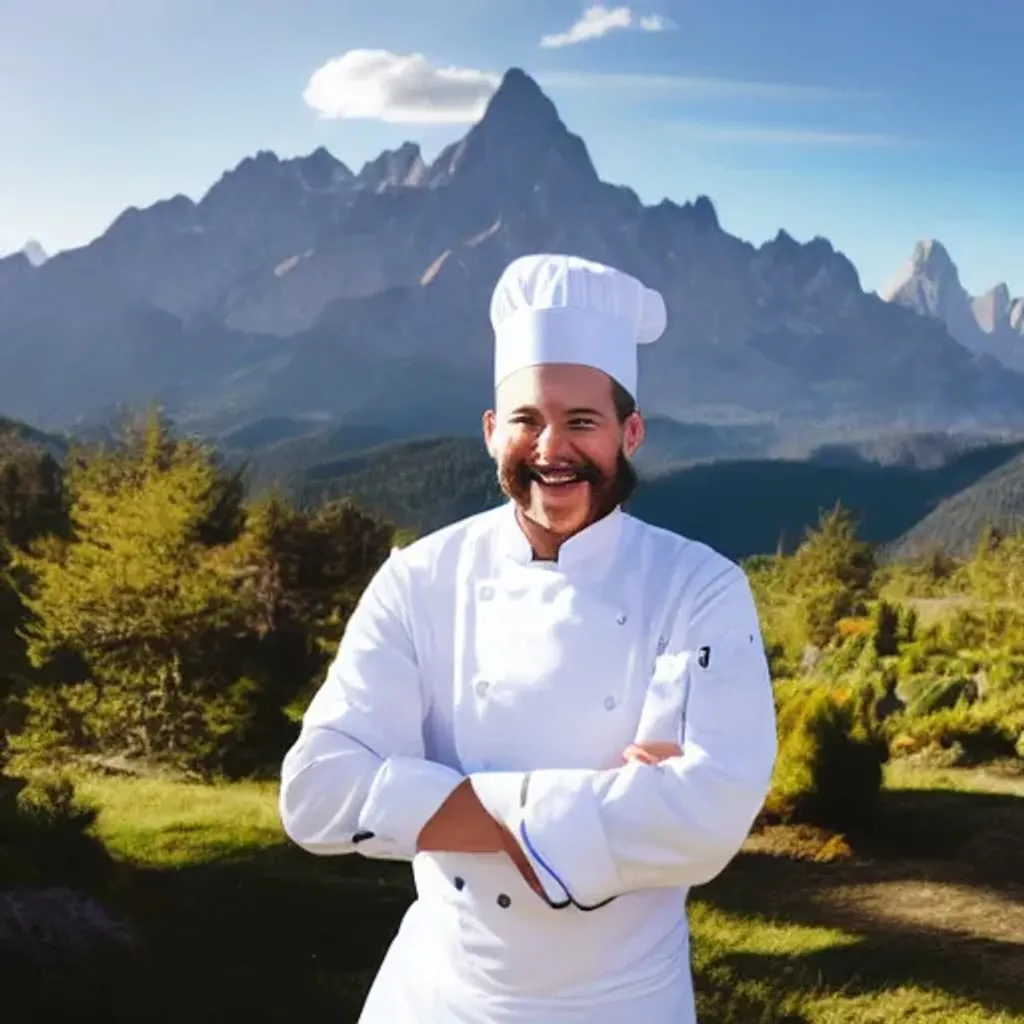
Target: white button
(621, 618)
(481, 686)
(486, 593)
(609, 703)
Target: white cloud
(654, 23)
(694, 87)
(599, 20)
(398, 88)
(773, 135)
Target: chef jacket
(467, 657)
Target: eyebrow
(578, 411)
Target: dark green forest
(906, 492)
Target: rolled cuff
(563, 830)
(502, 795)
(405, 794)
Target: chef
(560, 715)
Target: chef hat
(564, 309)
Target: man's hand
(521, 861)
(462, 825)
(651, 753)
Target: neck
(545, 543)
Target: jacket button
(621, 618)
(609, 703)
(481, 686)
(459, 882)
(504, 900)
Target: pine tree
(150, 595)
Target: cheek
(602, 451)
(508, 449)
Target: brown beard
(606, 492)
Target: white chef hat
(563, 309)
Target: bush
(965, 734)
(831, 755)
(45, 833)
(63, 954)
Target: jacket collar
(592, 548)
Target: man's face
(562, 453)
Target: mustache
(609, 489)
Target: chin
(561, 521)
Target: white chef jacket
(466, 657)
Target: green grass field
(924, 922)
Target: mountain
(301, 289)
(991, 324)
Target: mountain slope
(957, 523)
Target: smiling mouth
(557, 477)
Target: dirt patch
(950, 908)
(934, 896)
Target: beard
(606, 490)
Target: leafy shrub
(45, 833)
(942, 694)
(966, 733)
(829, 768)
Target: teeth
(558, 478)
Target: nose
(551, 444)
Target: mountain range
(301, 291)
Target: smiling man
(561, 715)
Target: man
(561, 715)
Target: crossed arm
(357, 779)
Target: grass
(921, 922)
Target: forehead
(554, 386)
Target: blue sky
(871, 122)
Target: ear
(633, 433)
(489, 424)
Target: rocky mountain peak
(704, 213)
(320, 171)
(403, 166)
(1016, 316)
(265, 172)
(34, 253)
(993, 307)
(520, 140)
(519, 100)
(932, 258)
(929, 283)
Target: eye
(582, 423)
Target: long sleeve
(356, 779)
(594, 835)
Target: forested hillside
(957, 522)
(426, 483)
